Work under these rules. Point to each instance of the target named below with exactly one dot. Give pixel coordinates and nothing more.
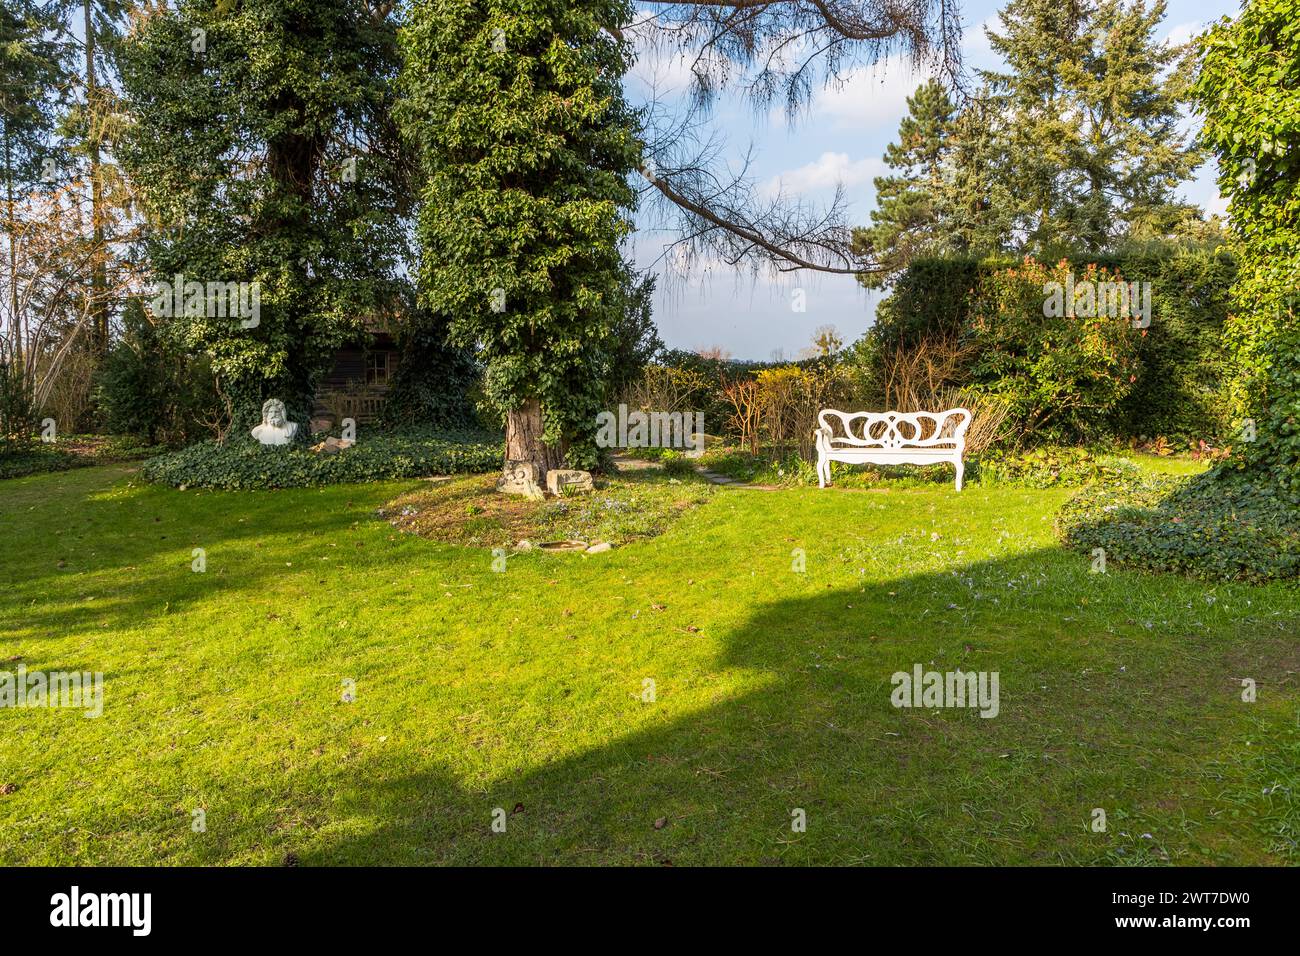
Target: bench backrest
(946, 429)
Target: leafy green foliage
(406, 454)
(1209, 526)
(635, 341)
(1062, 375)
(1052, 466)
(932, 297)
(147, 388)
(265, 151)
(1184, 368)
(434, 379)
(526, 144)
(1249, 93)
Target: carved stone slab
(332, 445)
(520, 478)
(561, 481)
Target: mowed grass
(526, 690)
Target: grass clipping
(469, 511)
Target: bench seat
(890, 438)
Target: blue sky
(840, 139)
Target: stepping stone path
(712, 477)
(623, 463)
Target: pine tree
(912, 217)
(1087, 117)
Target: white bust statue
(276, 429)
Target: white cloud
(1180, 34)
(869, 97)
(825, 173)
(666, 70)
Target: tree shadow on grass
(1091, 715)
(149, 532)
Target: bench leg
(961, 469)
(823, 466)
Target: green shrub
(1209, 526)
(36, 459)
(1052, 466)
(675, 463)
(247, 465)
(933, 297)
(146, 387)
(1184, 370)
(1063, 376)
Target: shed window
(377, 368)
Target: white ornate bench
(890, 438)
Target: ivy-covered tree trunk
(1249, 93)
(526, 440)
(526, 147)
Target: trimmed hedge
(1183, 390)
(1208, 526)
(406, 454)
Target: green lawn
(523, 690)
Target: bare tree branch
(734, 42)
(765, 49)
